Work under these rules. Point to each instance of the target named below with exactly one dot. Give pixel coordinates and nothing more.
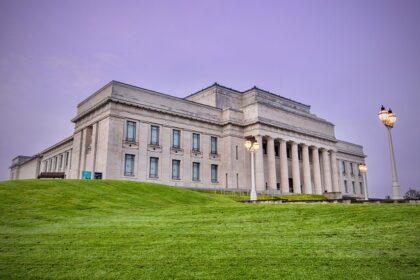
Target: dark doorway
(290, 185)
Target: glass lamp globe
(256, 146)
(363, 168)
(383, 114)
(248, 144)
(392, 118)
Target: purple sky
(344, 58)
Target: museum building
(131, 133)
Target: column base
(396, 191)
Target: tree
(412, 193)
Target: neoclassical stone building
(127, 132)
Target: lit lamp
(252, 146)
(363, 169)
(388, 118)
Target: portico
(290, 166)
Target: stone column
(327, 170)
(316, 170)
(272, 178)
(307, 187)
(259, 165)
(284, 171)
(295, 168)
(334, 171)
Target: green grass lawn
(70, 229)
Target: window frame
(196, 149)
(156, 163)
(173, 138)
(215, 151)
(179, 169)
(130, 157)
(134, 127)
(195, 177)
(156, 129)
(216, 179)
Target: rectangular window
(276, 149)
(346, 189)
(176, 138)
(264, 148)
(237, 180)
(154, 135)
(343, 165)
(196, 171)
(61, 161)
(213, 148)
(351, 169)
(129, 165)
(153, 170)
(196, 142)
(214, 173)
(361, 188)
(130, 133)
(67, 159)
(236, 152)
(289, 155)
(176, 165)
(354, 187)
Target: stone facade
(131, 133)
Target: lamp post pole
(363, 169)
(396, 189)
(389, 118)
(252, 146)
(366, 186)
(253, 189)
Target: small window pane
(129, 165)
(213, 149)
(153, 172)
(176, 169)
(196, 142)
(176, 138)
(214, 173)
(196, 171)
(130, 131)
(154, 139)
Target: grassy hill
(71, 229)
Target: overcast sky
(344, 58)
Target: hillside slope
(70, 229)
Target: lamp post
(363, 169)
(388, 118)
(252, 146)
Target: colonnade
(313, 180)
